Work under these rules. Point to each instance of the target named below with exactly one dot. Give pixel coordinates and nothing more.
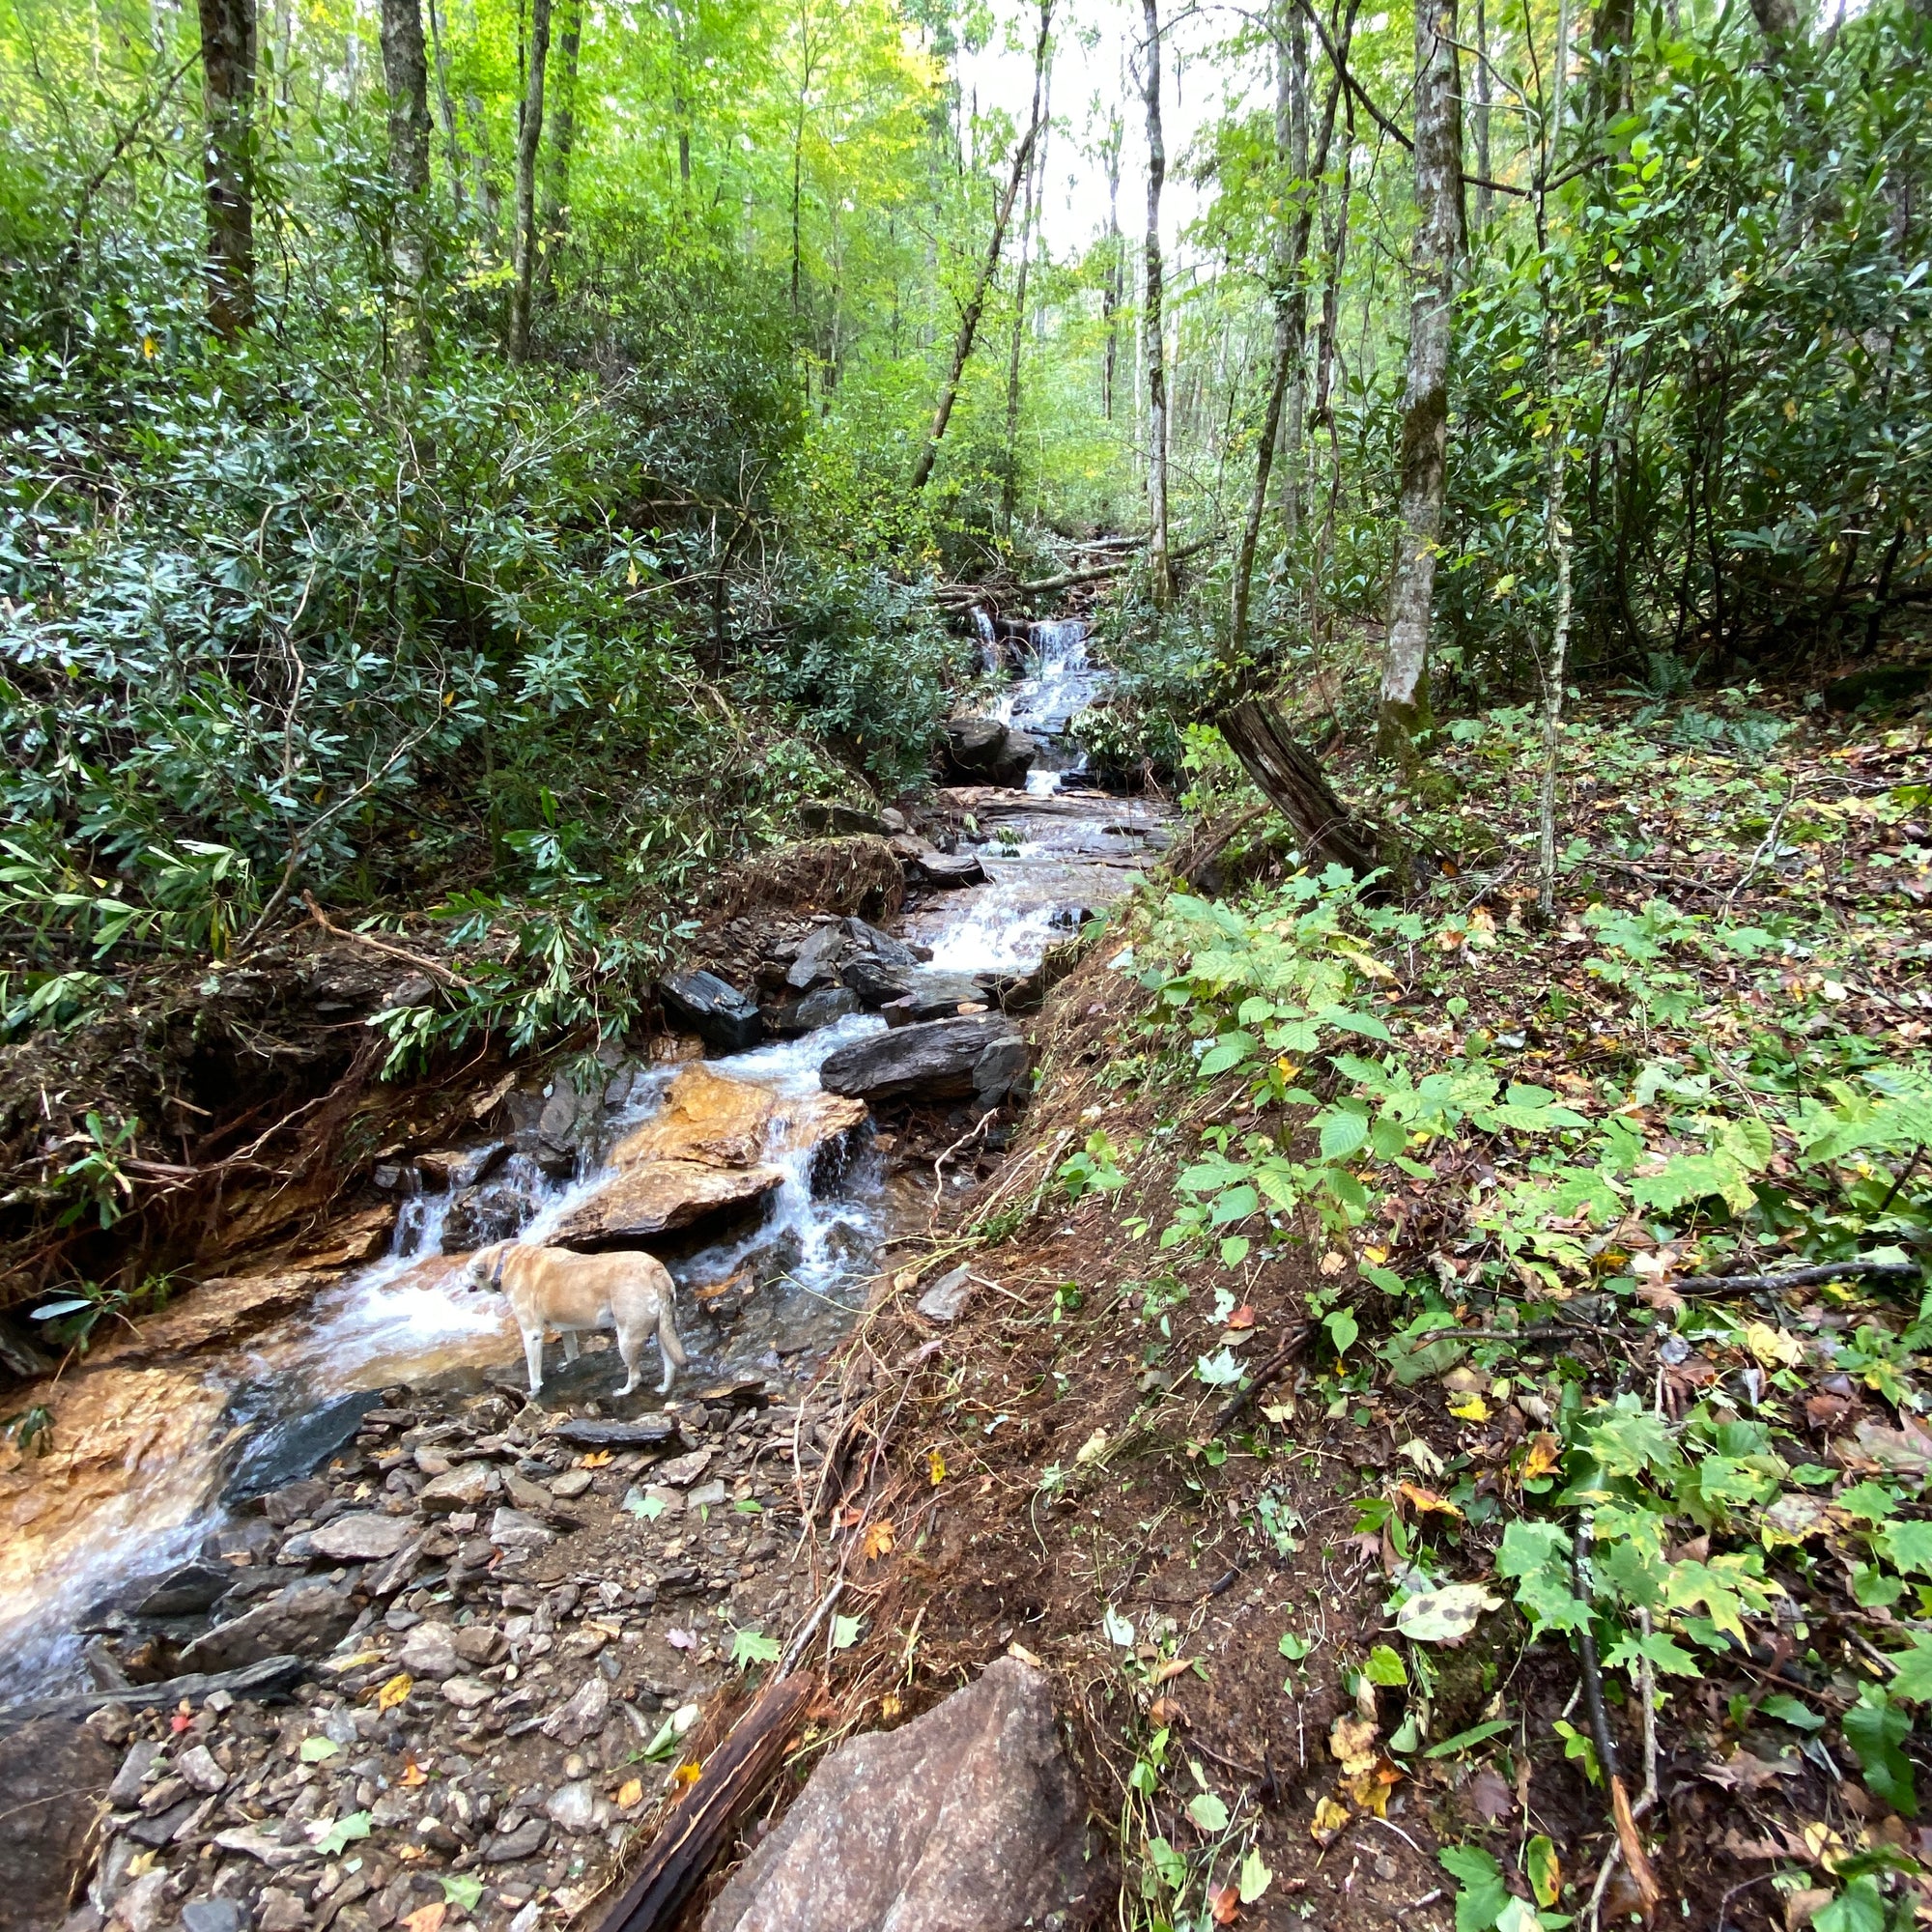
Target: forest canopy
(501, 458)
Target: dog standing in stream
(558, 1287)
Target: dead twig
(1804, 1277)
(374, 945)
(1262, 1376)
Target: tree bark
(1777, 20)
(1291, 141)
(529, 134)
(1611, 37)
(228, 161)
(1159, 568)
(1481, 117)
(563, 139)
(1110, 289)
(989, 266)
(406, 73)
(1010, 483)
(1290, 331)
(446, 109)
(1290, 778)
(1425, 408)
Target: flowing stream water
(184, 1440)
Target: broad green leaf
(1208, 1811)
(1875, 1727)
(332, 1838)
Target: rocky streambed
(369, 1632)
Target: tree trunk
(228, 161)
(445, 108)
(1610, 40)
(563, 139)
(1289, 777)
(529, 134)
(1481, 118)
(1425, 405)
(406, 73)
(1010, 483)
(1291, 328)
(969, 319)
(1159, 568)
(1110, 289)
(1290, 144)
(1777, 20)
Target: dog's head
(485, 1268)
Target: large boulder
(724, 1019)
(304, 1619)
(968, 1819)
(704, 1158)
(662, 1196)
(982, 751)
(975, 1055)
(53, 1773)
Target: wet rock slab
(980, 1055)
(968, 1817)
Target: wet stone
(360, 1538)
(525, 1842)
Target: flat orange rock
(657, 1197)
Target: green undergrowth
(1522, 1161)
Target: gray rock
(429, 1651)
(480, 1644)
(305, 1618)
(468, 1693)
(724, 1019)
(574, 1807)
(467, 1486)
(681, 1471)
(583, 1717)
(982, 751)
(294, 1500)
(126, 1791)
(54, 1773)
(198, 1766)
(280, 1911)
(185, 1591)
(525, 1842)
(976, 1055)
(360, 1537)
(706, 1495)
(968, 1819)
(948, 870)
(572, 1482)
(517, 1529)
(819, 1008)
(293, 1447)
(935, 996)
(211, 1914)
(947, 1298)
(831, 817)
(817, 960)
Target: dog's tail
(673, 1349)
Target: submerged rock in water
(968, 1816)
(292, 1448)
(819, 1008)
(53, 1773)
(980, 1055)
(726, 1020)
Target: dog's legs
(534, 1341)
(668, 1346)
(569, 1345)
(631, 1345)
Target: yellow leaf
(394, 1691)
(597, 1458)
(413, 1773)
(1544, 1453)
(1370, 1789)
(630, 1793)
(1353, 1741)
(1330, 1818)
(148, 346)
(1475, 1410)
(1427, 1499)
(1772, 1346)
(878, 1542)
(890, 1707)
(936, 1462)
(685, 1777)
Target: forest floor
(1287, 1378)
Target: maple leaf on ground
(878, 1542)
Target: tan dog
(558, 1287)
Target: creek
(151, 1460)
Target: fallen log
(1291, 781)
(699, 1825)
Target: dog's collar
(501, 1263)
